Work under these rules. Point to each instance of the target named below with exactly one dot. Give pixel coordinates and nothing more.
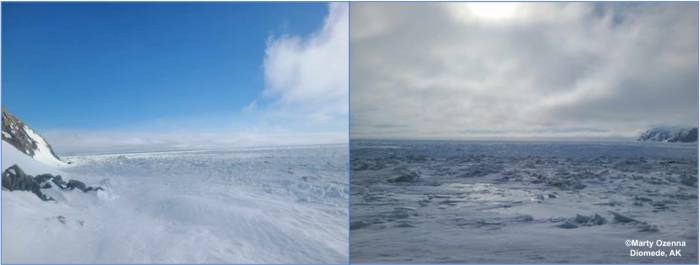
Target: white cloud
(307, 77)
(305, 101)
(456, 70)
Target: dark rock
(58, 180)
(74, 184)
(14, 178)
(43, 177)
(93, 189)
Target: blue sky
(149, 68)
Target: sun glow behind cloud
(458, 70)
(498, 10)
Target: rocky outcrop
(671, 135)
(19, 135)
(685, 136)
(14, 178)
(74, 184)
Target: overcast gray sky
(490, 70)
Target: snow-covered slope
(273, 205)
(31, 166)
(670, 134)
(20, 136)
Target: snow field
(274, 205)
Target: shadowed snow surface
(517, 202)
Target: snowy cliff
(671, 135)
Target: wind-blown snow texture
(512, 202)
(262, 205)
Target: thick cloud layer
(473, 70)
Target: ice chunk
(568, 225)
(622, 219)
(408, 176)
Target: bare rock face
(14, 132)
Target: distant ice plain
(489, 201)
